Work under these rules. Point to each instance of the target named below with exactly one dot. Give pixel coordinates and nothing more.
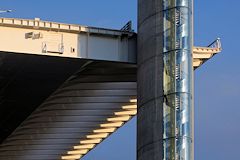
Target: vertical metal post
(178, 80)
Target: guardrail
(37, 23)
(216, 44)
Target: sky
(217, 87)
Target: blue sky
(217, 89)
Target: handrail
(37, 23)
(127, 27)
(216, 44)
(5, 11)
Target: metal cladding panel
(178, 108)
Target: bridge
(65, 88)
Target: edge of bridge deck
(39, 24)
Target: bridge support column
(165, 80)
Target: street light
(7, 11)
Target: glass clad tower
(178, 80)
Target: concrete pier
(150, 80)
(165, 80)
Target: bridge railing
(216, 44)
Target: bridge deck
(68, 40)
(66, 75)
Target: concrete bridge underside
(56, 103)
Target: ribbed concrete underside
(26, 81)
(94, 93)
